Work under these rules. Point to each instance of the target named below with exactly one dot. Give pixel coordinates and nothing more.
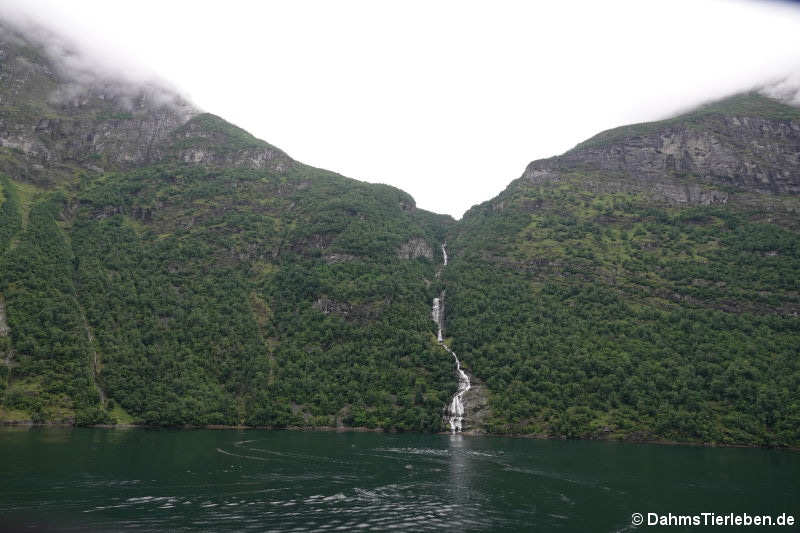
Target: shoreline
(361, 429)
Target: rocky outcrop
(327, 306)
(317, 241)
(363, 311)
(250, 158)
(209, 140)
(54, 119)
(4, 330)
(417, 247)
(691, 193)
(6, 351)
(476, 407)
(686, 160)
(666, 189)
(333, 259)
(749, 152)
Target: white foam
(454, 412)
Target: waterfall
(436, 314)
(456, 408)
(454, 412)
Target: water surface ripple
(155, 480)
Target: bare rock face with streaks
(55, 119)
(4, 330)
(327, 306)
(414, 248)
(693, 159)
(476, 406)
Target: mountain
(61, 116)
(159, 265)
(644, 284)
(163, 266)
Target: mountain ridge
(159, 265)
(598, 295)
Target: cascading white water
(456, 407)
(437, 317)
(454, 412)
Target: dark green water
(143, 480)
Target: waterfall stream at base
(454, 411)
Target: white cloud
(448, 100)
(786, 88)
(85, 70)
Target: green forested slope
(162, 266)
(218, 296)
(593, 307)
(51, 354)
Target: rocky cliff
(746, 142)
(56, 119)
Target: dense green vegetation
(10, 214)
(160, 289)
(10, 224)
(227, 297)
(49, 336)
(613, 315)
(179, 295)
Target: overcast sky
(448, 100)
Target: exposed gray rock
(537, 176)
(4, 329)
(417, 247)
(333, 259)
(100, 122)
(318, 241)
(476, 407)
(690, 194)
(666, 188)
(361, 311)
(752, 153)
(199, 142)
(407, 205)
(326, 305)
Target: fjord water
(206, 480)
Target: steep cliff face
(211, 141)
(55, 119)
(3, 323)
(415, 248)
(748, 142)
(476, 407)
